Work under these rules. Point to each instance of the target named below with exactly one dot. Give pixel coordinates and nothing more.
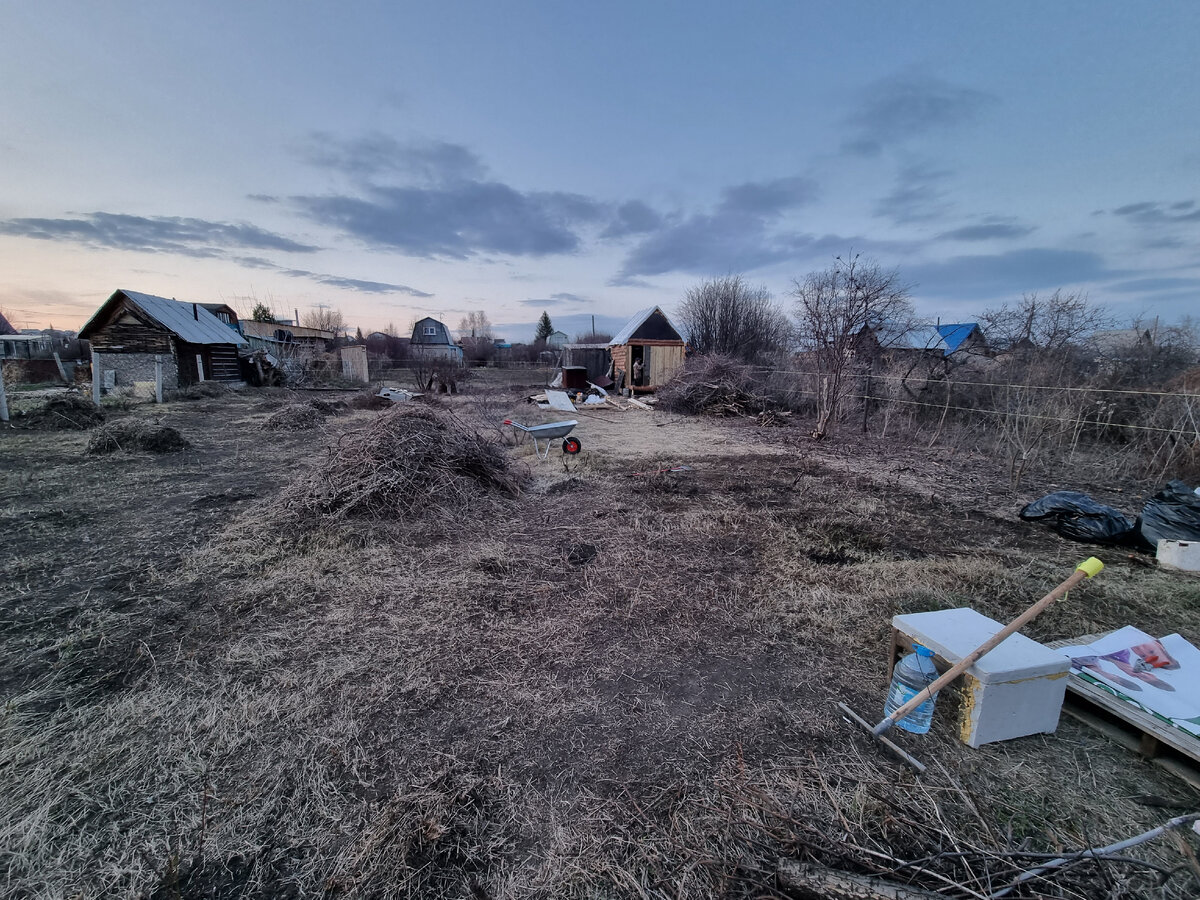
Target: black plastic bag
(1173, 514)
(1079, 517)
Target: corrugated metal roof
(190, 321)
(636, 322)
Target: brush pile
(69, 412)
(130, 435)
(715, 386)
(296, 417)
(409, 459)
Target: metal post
(96, 377)
(3, 397)
(158, 379)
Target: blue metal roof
(954, 335)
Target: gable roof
(954, 335)
(6, 326)
(639, 319)
(190, 322)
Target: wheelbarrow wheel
(572, 445)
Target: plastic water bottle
(913, 674)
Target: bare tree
(1059, 322)
(832, 308)
(325, 318)
(593, 337)
(475, 334)
(727, 316)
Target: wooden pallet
(1171, 748)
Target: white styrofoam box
(1015, 690)
(1180, 555)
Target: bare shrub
(130, 435)
(727, 317)
(409, 459)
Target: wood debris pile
(408, 459)
(130, 435)
(716, 386)
(67, 412)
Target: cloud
(980, 277)
(736, 236)
(634, 217)
(910, 105)
(158, 234)
(917, 197)
(457, 221)
(541, 302)
(733, 242)
(375, 155)
(564, 297)
(1153, 214)
(996, 229)
(1147, 285)
(352, 284)
(768, 198)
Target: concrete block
(1015, 690)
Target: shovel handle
(1085, 570)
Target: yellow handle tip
(1090, 566)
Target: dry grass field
(388, 655)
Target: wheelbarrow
(547, 433)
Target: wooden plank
(1130, 740)
(1143, 721)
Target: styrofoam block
(1015, 690)
(1183, 555)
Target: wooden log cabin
(651, 339)
(131, 329)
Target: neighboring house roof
(945, 339)
(639, 319)
(955, 335)
(441, 335)
(5, 326)
(190, 322)
(298, 332)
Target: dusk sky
(397, 160)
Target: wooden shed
(130, 330)
(651, 339)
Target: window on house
(430, 330)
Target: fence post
(96, 377)
(62, 370)
(200, 366)
(158, 378)
(3, 397)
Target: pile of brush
(409, 459)
(715, 386)
(296, 417)
(130, 435)
(68, 412)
